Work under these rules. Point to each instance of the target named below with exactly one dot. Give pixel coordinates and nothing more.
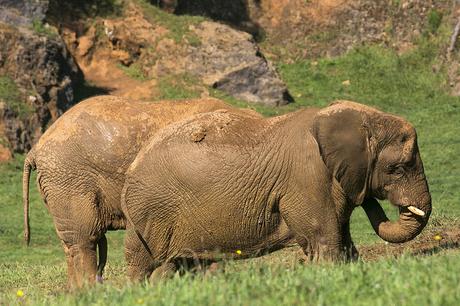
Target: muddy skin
(228, 185)
(81, 162)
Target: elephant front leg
(315, 228)
(320, 249)
(351, 253)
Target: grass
(180, 86)
(401, 84)
(434, 20)
(133, 71)
(404, 281)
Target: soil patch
(430, 242)
(433, 240)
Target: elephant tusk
(416, 211)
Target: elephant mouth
(404, 207)
(411, 209)
(410, 223)
(415, 211)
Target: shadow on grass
(234, 13)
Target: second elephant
(223, 184)
(81, 162)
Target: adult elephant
(223, 184)
(81, 162)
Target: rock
(22, 12)
(13, 130)
(45, 75)
(5, 151)
(230, 60)
(149, 52)
(5, 154)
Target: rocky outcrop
(314, 28)
(13, 132)
(44, 75)
(230, 60)
(20, 13)
(332, 27)
(213, 53)
(5, 151)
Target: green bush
(40, 28)
(11, 95)
(434, 20)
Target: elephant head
(374, 155)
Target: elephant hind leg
(102, 252)
(78, 226)
(81, 262)
(85, 262)
(181, 266)
(140, 263)
(349, 248)
(165, 271)
(71, 276)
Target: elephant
(224, 185)
(81, 162)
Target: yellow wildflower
(437, 237)
(19, 293)
(238, 252)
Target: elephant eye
(399, 170)
(411, 163)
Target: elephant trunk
(406, 228)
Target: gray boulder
(22, 12)
(230, 60)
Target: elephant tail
(29, 164)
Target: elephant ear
(344, 140)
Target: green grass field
(401, 84)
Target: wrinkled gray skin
(81, 162)
(219, 182)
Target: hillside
(70, 50)
(270, 56)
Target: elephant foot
(319, 251)
(165, 271)
(352, 254)
(99, 279)
(212, 269)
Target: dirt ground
(429, 242)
